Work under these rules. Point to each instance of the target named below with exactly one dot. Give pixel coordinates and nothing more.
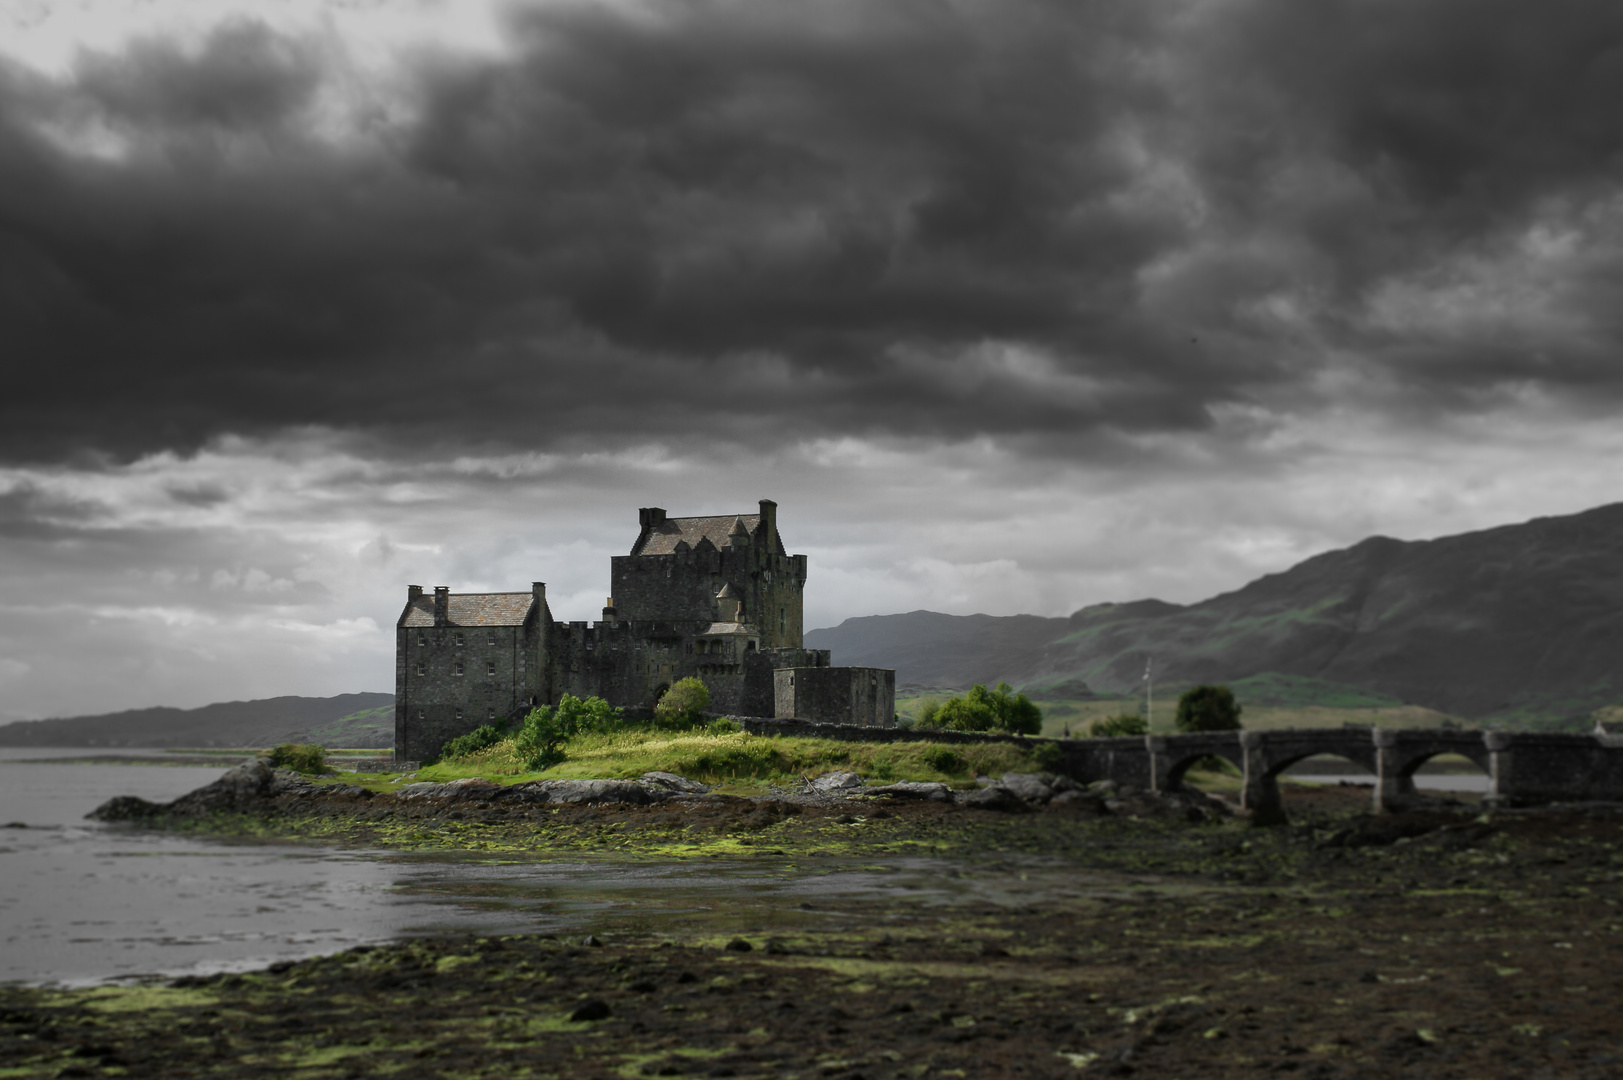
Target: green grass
(742, 760)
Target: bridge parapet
(1523, 768)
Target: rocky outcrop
(258, 786)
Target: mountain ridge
(358, 718)
(1516, 622)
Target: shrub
(722, 726)
(1116, 726)
(306, 758)
(943, 760)
(540, 740)
(987, 710)
(480, 738)
(1049, 756)
(683, 705)
(926, 716)
(1208, 708)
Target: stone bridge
(1522, 769)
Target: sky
(1012, 306)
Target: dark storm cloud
(783, 219)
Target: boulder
(997, 797)
(672, 782)
(836, 781)
(125, 808)
(913, 789)
(1032, 787)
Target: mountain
(365, 720)
(930, 649)
(1518, 623)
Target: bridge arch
(1362, 758)
(1178, 766)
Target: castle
(714, 597)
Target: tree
(1208, 708)
(981, 709)
(683, 705)
(1116, 726)
(546, 729)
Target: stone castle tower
(714, 597)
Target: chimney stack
(651, 516)
(769, 526)
(414, 592)
(442, 604)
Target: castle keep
(714, 597)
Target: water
(83, 902)
(1465, 782)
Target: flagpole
(1149, 697)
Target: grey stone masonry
(830, 695)
(717, 598)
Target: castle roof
(471, 609)
(728, 593)
(729, 629)
(661, 539)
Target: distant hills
(1522, 623)
(363, 720)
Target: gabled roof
(662, 539)
(728, 593)
(471, 609)
(729, 629)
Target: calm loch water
(82, 902)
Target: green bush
(480, 738)
(722, 726)
(683, 705)
(1208, 708)
(1116, 726)
(985, 710)
(306, 758)
(925, 717)
(541, 738)
(942, 760)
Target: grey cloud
(620, 226)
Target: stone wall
(865, 697)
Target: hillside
(365, 720)
(930, 649)
(1518, 623)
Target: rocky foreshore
(257, 785)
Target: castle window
(422, 669)
(459, 641)
(420, 714)
(459, 714)
(493, 637)
(783, 620)
(490, 713)
(750, 645)
(457, 670)
(490, 668)
(422, 639)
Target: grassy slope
(741, 761)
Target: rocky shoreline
(1155, 937)
(258, 786)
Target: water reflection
(83, 902)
